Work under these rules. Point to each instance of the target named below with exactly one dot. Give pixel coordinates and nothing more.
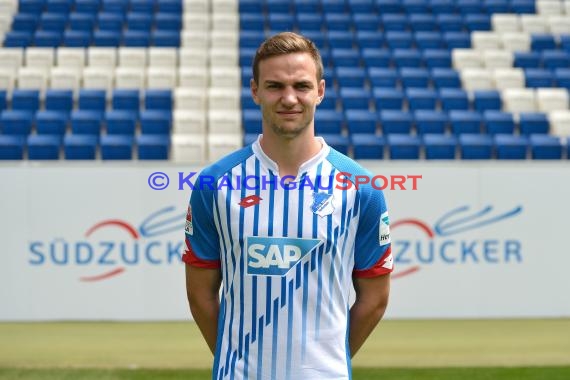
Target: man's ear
(253, 87)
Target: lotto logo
(275, 256)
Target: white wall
(474, 240)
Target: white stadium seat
(195, 39)
(534, 23)
(65, 78)
(32, 78)
(11, 58)
(190, 99)
(39, 57)
(193, 57)
(196, 6)
(7, 78)
(8, 7)
(224, 58)
(560, 122)
(98, 78)
(518, 100)
(224, 122)
(559, 24)
(193, 77)
(132, 57)
(225, 6)
(549, 7)
(494, 59)
(130, 78)
(505, 22)
(477, 79)
(224, 99)
(189, 121)
(189, 147)
(198, 22)
(509, 78)
(102, 57)
(220, 145)
(70, 57)
(224, 39)
(225, 21)
(551, 99)
(160, 77)
(466, 58)
(516, 41)
(225, 77)
(163, 58)
(485, 40)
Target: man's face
(288, 93)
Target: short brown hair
(287, 43)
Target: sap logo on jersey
(275, 256)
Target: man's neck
(290, 154)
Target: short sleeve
(372, 250)
(201, 236)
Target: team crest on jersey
(384, 229)
(189, 227)
(322, 204)
(276, 256)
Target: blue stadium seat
(399, 39)
(449, 22)
(355, 98)
(361, 6)
(12, 147)
(87, 6)
(367, 146)
(345, 57)
(350, 76)
(56, 22)
(403, 147)
(437, 58)
(44, 147)
(421, 99)
(527, 59)
(251, 120)
(388, 98)
(396, 122)
(383, 77)
(51, 123)
(309, 6)
(540, 42)
(366, 22)
(423, 22)
(251, 39)
(59, 100)
(555, 59)
(562, 78)
(523, 6)
(414, 77)
(330, 100)
(340, 39)
(59, 6)
(429, 40)
(137, 38)
(165, 38)
(394, 22)
(2, 100)
(510, 147)
(376, 57)
(116, 147)
(467, 7)
(431, 122)
(309, 22)
(281, 21)
(453, 99)
(496, 6)
(256, 21)
(82, 21)
(245, 55)
(370, 39)
(120, 122)
(498, 122)
(249, 138)
(107, 38)
(25, 22)
(338, 21)
(32, 6)
(112, 22)
(250, 6)
(359, 121)
(44, 38)
(92, 100)
(278, 6)
(80, 147)
(18, 39)
(148, 6)
(86, 122)
(442, 6)
(317, 37)
(537, 78)
(565, 42)
(407, 58)
(337, 142)
(465, 122)
(77, 38)
(457, 40)
(155, 122)
(126, 100)
(329, 122)
(116, 6)
(475, 147)
(153, 147)
(168, 22)
(484, 100)
(445, 78)
(531, 123)
(25, 100)
(545, 147)
(158, 100)
(439, 147)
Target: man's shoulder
(345, 164)
(227, 163)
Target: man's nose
(289, 96)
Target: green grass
(439, 349)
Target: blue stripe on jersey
(241, 268)
(233, 373)
(260, 348)
(285, 233)
(221, 321)
(275, 343)
(305, 296)
(231, 286)
(289, 330)
(246, 364)
(254, 279)
(270, 233)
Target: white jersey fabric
(287, 252)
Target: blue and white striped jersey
(287, 254)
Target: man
(288, 249)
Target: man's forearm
(363, 319)
(205, 313)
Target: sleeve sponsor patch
(384, 229)
(189, 227)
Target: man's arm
(368, 309)
(202, 289)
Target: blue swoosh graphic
(454, 222)
(154, 225)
